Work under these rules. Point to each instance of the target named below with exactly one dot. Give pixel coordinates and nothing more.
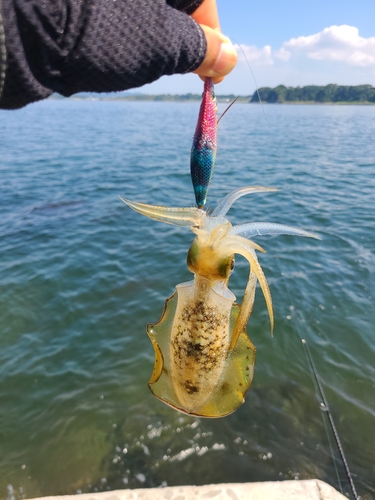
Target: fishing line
(256, 84)
(256, 88)
(326, 409)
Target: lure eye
(212, 95)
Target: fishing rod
(325, 407)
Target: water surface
(81, 275)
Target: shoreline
(220, 99)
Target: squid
(204, 359)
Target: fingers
(221, 56)
(207, 14)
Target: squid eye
(226, 267)
(192, 257)
(231, 266)
(212, 95)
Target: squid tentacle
(246, 309)
(241, 247)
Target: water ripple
(81, 275)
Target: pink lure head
(206, 129)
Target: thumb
(221, 56)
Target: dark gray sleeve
(70, 46)
(188, 6)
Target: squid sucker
(204, 359)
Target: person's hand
(221, 56)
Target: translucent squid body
(204, 360)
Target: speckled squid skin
(203, 151)
(199, 342)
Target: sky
(291, 42)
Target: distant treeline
(178, 97)
(314, 93)
(361, 94)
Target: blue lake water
(81, 275)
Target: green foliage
(315, 93)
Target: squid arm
(225, 204)
(177, 216)
(262, 228)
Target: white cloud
(251, 53)
(336, 43)
(337, 54)
(282, 54)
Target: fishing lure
(204, 147)
(204, 360)
(203, 151)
